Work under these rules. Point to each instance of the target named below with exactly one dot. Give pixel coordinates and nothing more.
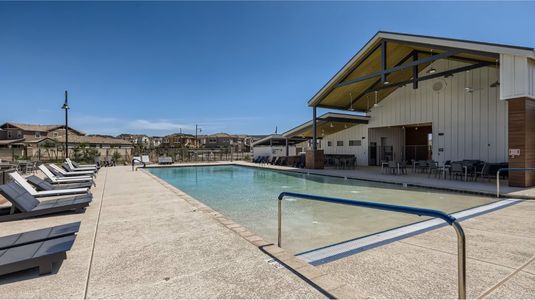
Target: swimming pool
(248, 196)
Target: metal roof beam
(432, 76)
(425, 60)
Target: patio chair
(37, 248)
(273, 159)
(43, 185)
(456, 169)
(69, 169)
(483, 172)
(61, 172)
(392, 167)
(73, 168)
(145, 159)
(30, 189)
(403, 167)
(52, 178)
(24, 205)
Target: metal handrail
(507, 169)
(461, 243)
(134, 161)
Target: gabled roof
(35, 127)
(327, 124)
(358, 83)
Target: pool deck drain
(337, 251)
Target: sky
(239, 67)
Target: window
(19, 134)
(339, 143)
(55, 134)
(37, 134)
(9, 135)
(329, 144)
(355, 143)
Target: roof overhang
(328, 123)
(278, 140)
(391, 60)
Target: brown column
(522, 137)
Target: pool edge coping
(312, 275)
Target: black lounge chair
(43, 185)
(36, 249)
(24, 205)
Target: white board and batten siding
(471, 125)
(517, 77)
(357, 132)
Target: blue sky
(236, 67)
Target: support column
(314, 157)
(521, 115)
(314, 130)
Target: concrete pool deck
(141, 238)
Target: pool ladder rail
(134, 162)
(461, 241)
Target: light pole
(197, 129)
(66, 108)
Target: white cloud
(156, 125)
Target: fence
(194, 155)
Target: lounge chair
(59, 180)
(145, 159)
(165, 160)
(61, 172)
(36, 249)
(77, 165)
(24, 205)
(74, 168)
(68, 169)
(43, 185)
(29, 188)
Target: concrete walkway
(139, 240)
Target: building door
(372, 161)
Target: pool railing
(461, 243)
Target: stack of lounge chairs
(70, 187)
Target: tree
(116, 156)
(48, 146)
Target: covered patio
(440, 104)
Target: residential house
(47, 141)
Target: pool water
(248, 196)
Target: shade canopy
(327, 124)
(278, 140)
(391, 60)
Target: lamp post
(197, 129)
(66, 108)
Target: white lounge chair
(22, 182)
(64, 173)
(80, 168)
(58, 180)
(145, 159)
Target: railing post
(498, 183)
(461, 260)
(279, 221)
